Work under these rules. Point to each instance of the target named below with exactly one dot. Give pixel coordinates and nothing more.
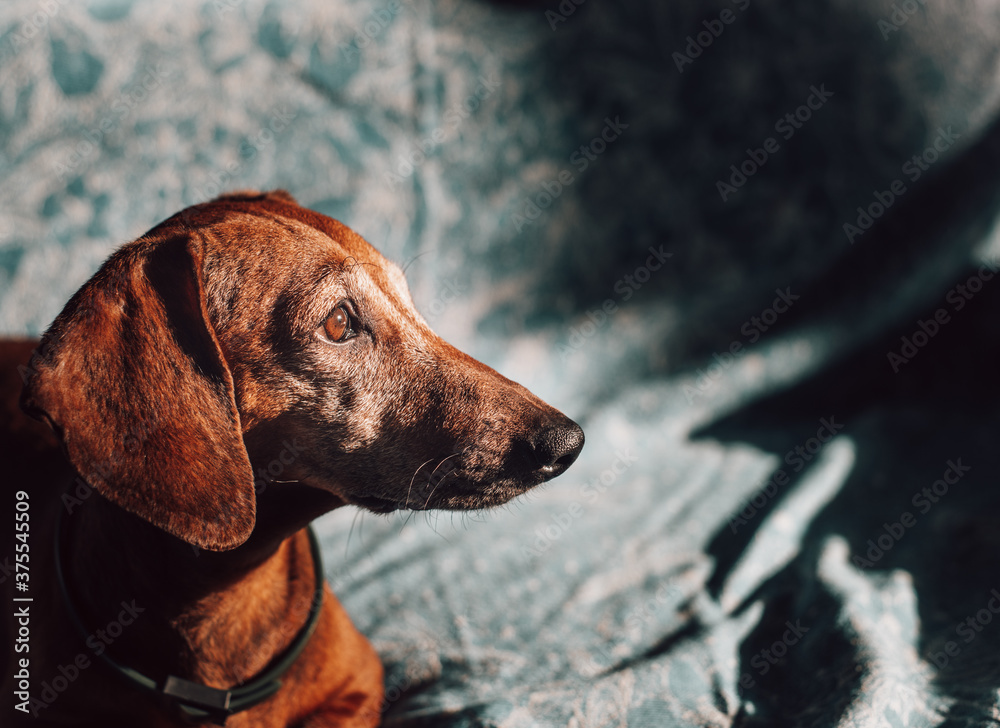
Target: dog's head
(249, 342)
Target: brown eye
(338, 325)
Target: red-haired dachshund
(241, 369)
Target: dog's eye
(338, 325)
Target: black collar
(194, 702)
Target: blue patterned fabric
(750, 247)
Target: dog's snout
(557, 446)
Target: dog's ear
(131, 377)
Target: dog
(241, 369)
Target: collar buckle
(214, 702)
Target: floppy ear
(131, 377)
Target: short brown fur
(176, 382)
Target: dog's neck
(252, 600)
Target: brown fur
(190, 364)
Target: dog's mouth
(447, 503)
(376, 504)
(459, 496)
(466, 481)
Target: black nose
(557, 445)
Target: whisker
(347, 546)
(432, 494)
(406, 504)
(437, 518)
(413, 260)
(443, 462)
(436, 486)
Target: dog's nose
(557, 445)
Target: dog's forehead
(338, 248)
(286, 243)
(297, 251)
